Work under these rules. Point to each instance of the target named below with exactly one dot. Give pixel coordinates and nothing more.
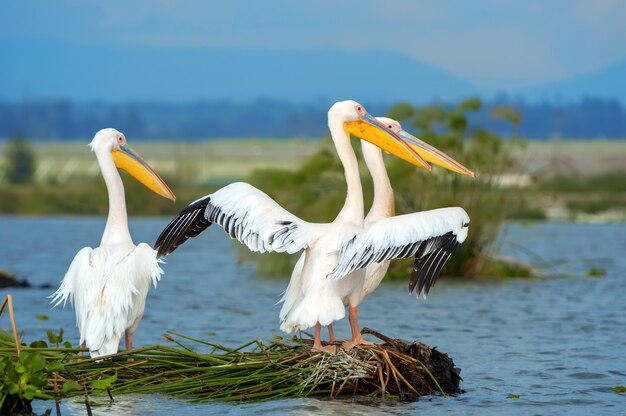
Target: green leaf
(41, 317)
(38, 380)
(12, 388)
(29, 392)
(39, 344)
(35, 362)
(55, 366)
(19, 368)
(513, 396)
(67, 344)
(52, 337)
(104, 383)
(71, 385)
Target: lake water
(558, 343)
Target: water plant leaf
(71, 385)
(104, 383)
(55, 366)
(513, 396)
(33, 361)
(39, 344)
(41, 317)
(29, 392)
(619, 389)
(12, 388)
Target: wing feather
(247, 215)
(430, 236)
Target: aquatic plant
(198, 370)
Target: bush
(19, 161)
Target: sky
(492, 44)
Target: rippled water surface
(558, 343)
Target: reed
(198, 370)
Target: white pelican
(253, 218)
(382, 207)
(108, 284)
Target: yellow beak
(433, 155)
(128, 160)
(368, 128)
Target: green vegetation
(254, 371)
(19, 163)
(23, 379)
(596, 272)
(316, 191)
(619, 389)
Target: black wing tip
(424, 275)
(188, 223)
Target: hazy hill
(59, 70)
(609, 83)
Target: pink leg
(83, 345)
(317, 342)
(331, 333)
(357, 339)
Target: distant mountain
(50, 69)
(607, 83)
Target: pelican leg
(357, 339)
(128, 339)
(331, 333)
(83, 345)
(317, 343)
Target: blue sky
(493, 44)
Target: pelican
(108, 284)
(253, 218)
(382, 208)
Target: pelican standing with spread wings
(253, 218)
(430, 248)
(108, 284)
(382, 208)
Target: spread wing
(246, 214)
(430, 236)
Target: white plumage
(384, 230)
(253, 218)
(108, 285)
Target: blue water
(558, 343)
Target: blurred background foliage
(19, 161)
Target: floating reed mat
(254, 371)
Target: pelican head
(426, 151)
(358, 122)
(113, 142)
